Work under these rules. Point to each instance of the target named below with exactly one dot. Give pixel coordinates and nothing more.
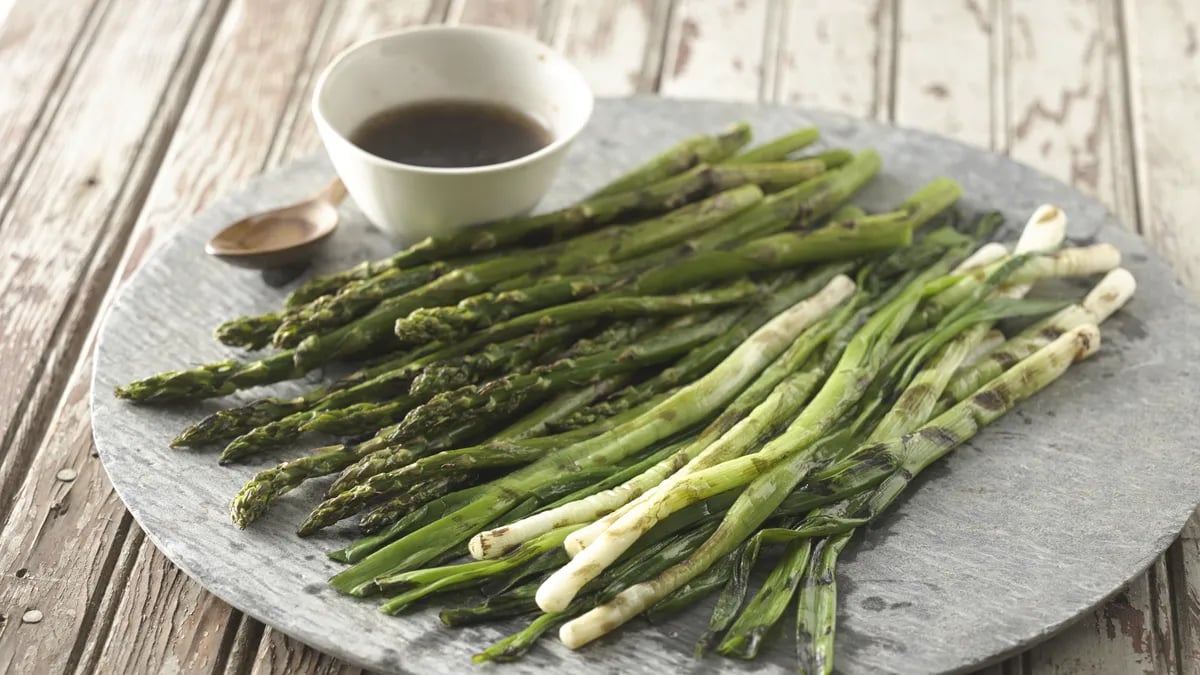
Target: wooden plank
(62, 545)
(281, 655)
(1164, 51)
(64, 536)
(616, 44)
(837, 54)
(715, 49)
(1185, 582)
(297, 116)
(243, 648)
(94, 631)
(179, 626)
(1164, 627)
(943, 69)
(1066, 112)
(42, 43)
(1073, 125)
(531, 17)
(56, 249)
(57, 546)
(32, 239)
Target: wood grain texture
(296, 121)
(837, 54)
(1164, 627)
(213, 126)
(530, 17)
(1010, 667)
(281, 655)
(943, 69)
(57, 249)
(41, 45)
(1185, 586)
(1065, 97)
(1164, 52)
(94, 632)
(715, 49)
(59, 551)
(243, 647)
(616, 44)
(179, 627)
(60, 538)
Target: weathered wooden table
(119, 118)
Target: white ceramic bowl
(439, 63)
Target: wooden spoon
(283, 237)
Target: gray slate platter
(1035, 521)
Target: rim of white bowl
(558, 142)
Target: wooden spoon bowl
(281, 238)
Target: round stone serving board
(1039, 518)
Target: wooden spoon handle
(333, 193)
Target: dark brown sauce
(451, 134)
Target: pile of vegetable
(609, 410)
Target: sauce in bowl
(451, 134)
